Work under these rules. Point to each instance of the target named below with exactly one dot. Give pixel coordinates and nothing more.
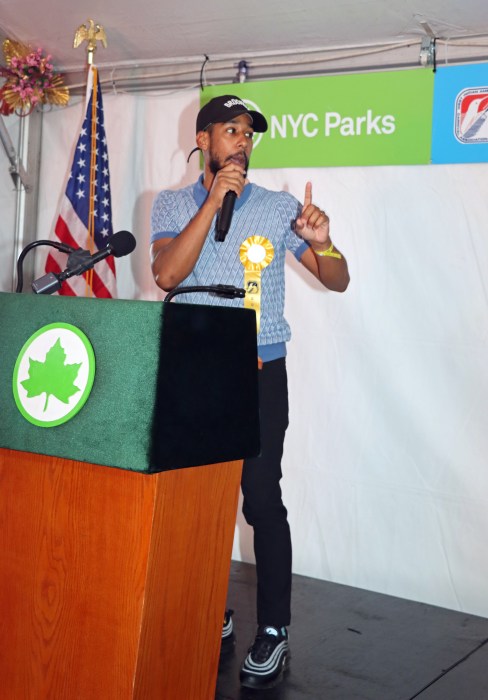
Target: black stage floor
(351, 644)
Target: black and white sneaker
(228, 636)
(228, 626)
(268, 658)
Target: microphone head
(122, 243)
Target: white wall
(385, 459)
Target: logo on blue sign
(471, 115)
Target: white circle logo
(53, 375)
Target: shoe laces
(265, 643)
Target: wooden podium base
(112, 583)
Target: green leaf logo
(54, 374)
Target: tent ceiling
(276, 38)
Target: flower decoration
(30, 80)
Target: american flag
(85, 214)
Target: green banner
(361, 119)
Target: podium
(117, 525)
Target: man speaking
(201, 235)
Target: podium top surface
(175, 385)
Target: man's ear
(203, 140)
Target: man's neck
(208, 178)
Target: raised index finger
(308, 195)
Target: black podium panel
(206, 388)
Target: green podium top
(171, 385)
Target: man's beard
(215, 165)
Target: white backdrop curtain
(385, 465)
(8, 198)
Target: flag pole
(93, 174)
(84, 218)
(91, 33)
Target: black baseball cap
(225, 108)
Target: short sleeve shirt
(257, 212)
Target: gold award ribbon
(255, 254)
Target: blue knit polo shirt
(257, 212)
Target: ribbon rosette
(255, 254)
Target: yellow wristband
(329, 253)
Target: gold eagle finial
(91, 34)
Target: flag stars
(89, 188)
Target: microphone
(224, 217)
(227, 291)
(120, 244)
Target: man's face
(230, 142)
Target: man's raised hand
(313, 223)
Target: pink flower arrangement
(30, 80)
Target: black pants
(263, 507)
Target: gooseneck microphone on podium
(224, 217)
(226, 291)
(80, 260)
(63, 247)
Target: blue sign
(460, 118)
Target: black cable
(201, 71)
(197, 148)
(63, 247)
(447, 670)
